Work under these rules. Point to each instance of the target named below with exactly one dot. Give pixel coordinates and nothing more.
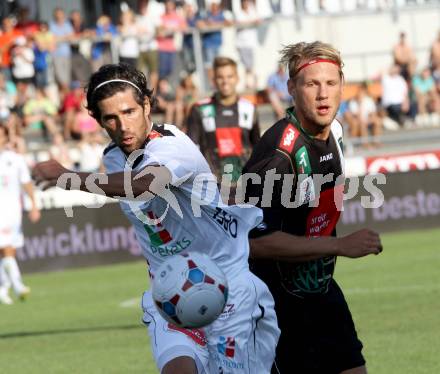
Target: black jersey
(225, 134)
(298, 205)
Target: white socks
(5, 283)
(10, 275)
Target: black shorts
(317, 333)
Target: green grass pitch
(88, 320)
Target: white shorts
(242, 340)
(11, 234)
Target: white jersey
(13, 173)
(218, 230)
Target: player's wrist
(338, 246)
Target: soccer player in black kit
(295, 249)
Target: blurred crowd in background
(44, 66)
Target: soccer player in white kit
(14, 177)
(167, 192)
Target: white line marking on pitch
(409, 288)
(130, 303)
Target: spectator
(187, 94)
(403, 56)
(277, 92)
(7, 40)
(148, 20)
(247, 40)
(426, 95)
(22, 65)
(395, 98)
(101, 52)
(362, 115)
(8, 98)
(81, 67)
(129, 44)
(188, 57)
(91, 149)
(435, 62)
(166, 101)
(435, 54)
(171, 23)
(214, 19)
(225, 126)
(25, 25)
(84, 123)
(70, 106)
(59, 151)
(40, 113)
(61, 56)
(43, 46)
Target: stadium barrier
(410, 201)
(99, 236)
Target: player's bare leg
(180, 365)
(358, 370)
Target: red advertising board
(404, 162)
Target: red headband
(315, 61)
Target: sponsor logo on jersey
(197, 335)
(169, 250)
(225, 356)
(226, 346)
(313, 276)
(288, 139)
(157, 233)
(228, 311)
(154, 134)
(322, 220)
(208, 110)
(159, 237)
(302, 161)
(227, 221)
(327, 157)
(306, 191)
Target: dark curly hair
(116, 71)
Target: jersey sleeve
(179, 157)
(113, 160)
(269, 199)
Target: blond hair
(221, 61)
(294, 54)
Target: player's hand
(34, 215)
(47, 173)
(360, 243)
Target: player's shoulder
(204, 101)
(337, 129)
(110, 147)
(269, 153)
(245, 102)
(281, 136)
(168, 139)
(162, 134)
(12, 156)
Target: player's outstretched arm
(286, 247)
(144, 184)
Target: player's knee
(180, 365)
